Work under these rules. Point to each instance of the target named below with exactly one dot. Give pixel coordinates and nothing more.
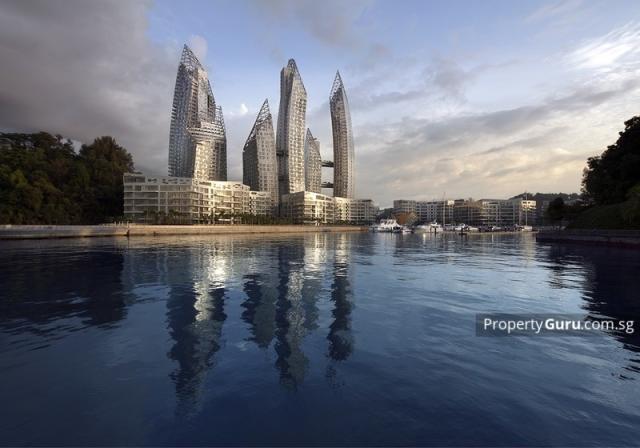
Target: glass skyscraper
(259, 164)
(343, 151)
(312, 164)
(291, 130)
(197, 137)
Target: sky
(451, 99)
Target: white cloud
(554, 9)
(199, 46)
(617, 46)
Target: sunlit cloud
(614, 47)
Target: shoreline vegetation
(610, 199)
(25, 232)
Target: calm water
(312, 339)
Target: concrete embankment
(620, 238)
(17, 232)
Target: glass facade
(291, 130)
(259, 163)
(197, 136)
(343, 150)
(312, 164)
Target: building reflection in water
(195, 316)
(340, 336)
(260, 308)
(283, 280)
(606, 274)
(290, 316)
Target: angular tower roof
(292, 68)
(189, 59)
(263, 115)
(309, 134)
(337, 85)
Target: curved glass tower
(343, 151)
(291, 130)
(312, 164)
(197, 137)
(259, 165)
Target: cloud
(199, 46)
(86, 69)
(528, 142)
(334, 23)
(619, 45)
(541, 146)
(240, 112)
(553, 10)
(330, 21)
(442, 79)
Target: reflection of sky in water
(349, 338)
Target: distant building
(260, 203)
(306, 207)
(197, 136)
(230, 198)
(483, 212)
(363, 211)
(495, 212)
(312, 164)
(150, 199)
(440, 211)
(342, 209)
(467, 211)
(291, 130)
(343, 148)
(404, 206)
(259, 164)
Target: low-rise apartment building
(404, 206)
(425, 211)
(185, 200)
(260, 203)
(305, 207)
(495, 212)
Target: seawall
(17, 232)
(620, 238)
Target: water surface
(323, 339)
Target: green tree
(105, 162)
(609, 176)
(556, 210)
(44, 181)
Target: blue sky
(463, 98)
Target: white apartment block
(260, 203)
(440, 211)
(307, 207)
(185, 200)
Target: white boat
(432, 227)
(387, 225)
(406, 229)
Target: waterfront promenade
(16, 232)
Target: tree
(44, 181)
(631, 213)
(106, 162)
(609, 176)
(555, 211)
